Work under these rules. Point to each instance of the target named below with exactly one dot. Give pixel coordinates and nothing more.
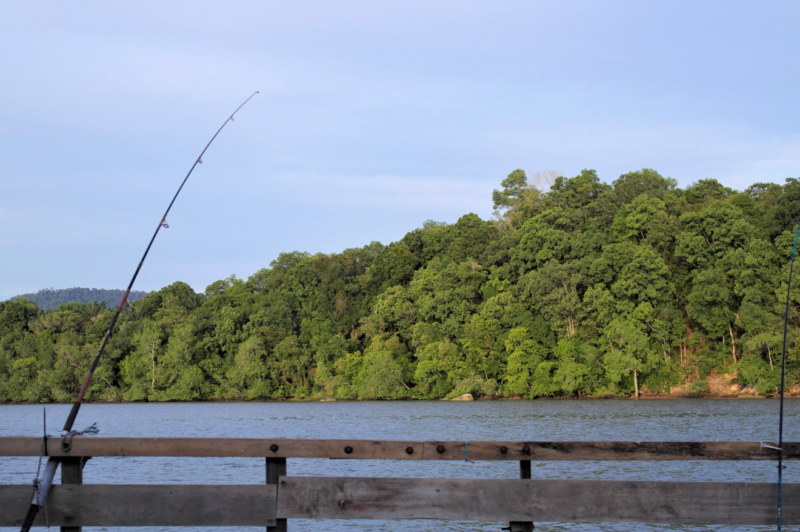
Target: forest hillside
(586, 289)
(50, 298)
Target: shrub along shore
(583, 290)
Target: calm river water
(690, 419)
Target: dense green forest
(587, 289)
(50, 298)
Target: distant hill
(50, 298)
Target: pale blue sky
(373, 117)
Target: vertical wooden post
(276, 467)
(525, 469)
(524, 473)
(72, 473)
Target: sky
(372, 118)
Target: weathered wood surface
(399, 450)
(535, 500)
(72, 470)
(72, 473)
(276, 468)
(606, 450)
(522, 526)
(245, 447)
(123, 505)
(406, 498)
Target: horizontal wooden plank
(400, 498)
(606, 450)
(245, 447)
(157, 505)
(535, 500)
(402, 450)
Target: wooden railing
(519, 501)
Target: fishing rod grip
(31, 515)
(72, 415)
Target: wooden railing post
(276, 467)
(72, 473)
(524, 473)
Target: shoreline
(648, 396)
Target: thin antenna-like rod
(43, 487)
(783, 381)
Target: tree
(138, 369)
(554, 290)
(576, 288)
(514, 187)
(627, 353)
(249, 377)
(543, 238)
(528, 371)
(438, 363)
(381, 377)
(710, 233)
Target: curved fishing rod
(783, 381)
(42, 485)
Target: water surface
(654, 420)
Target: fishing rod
(783, 382)
(41, 486)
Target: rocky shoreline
(712, 387)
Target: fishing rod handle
(29, 517)
(40, 493)
(71, 417)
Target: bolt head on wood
(526, 449)
(348, 450)
(409, 450)
(503, 449)
(440, 448)
(273, 447)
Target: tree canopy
(50, 298)
(585, 289)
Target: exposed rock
(717, 384)
(465, 397)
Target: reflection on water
(654, 420)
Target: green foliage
(514, 187)
(587, 289)
(50, 298)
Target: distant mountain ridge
(50, 298)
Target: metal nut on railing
(409, 450)
(440, 448)
(273, 447)
(503, 449)
(348, 450)
(526, 449)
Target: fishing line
(42, 485)
(43, 448)
(783, 381)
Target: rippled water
(689, 419)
